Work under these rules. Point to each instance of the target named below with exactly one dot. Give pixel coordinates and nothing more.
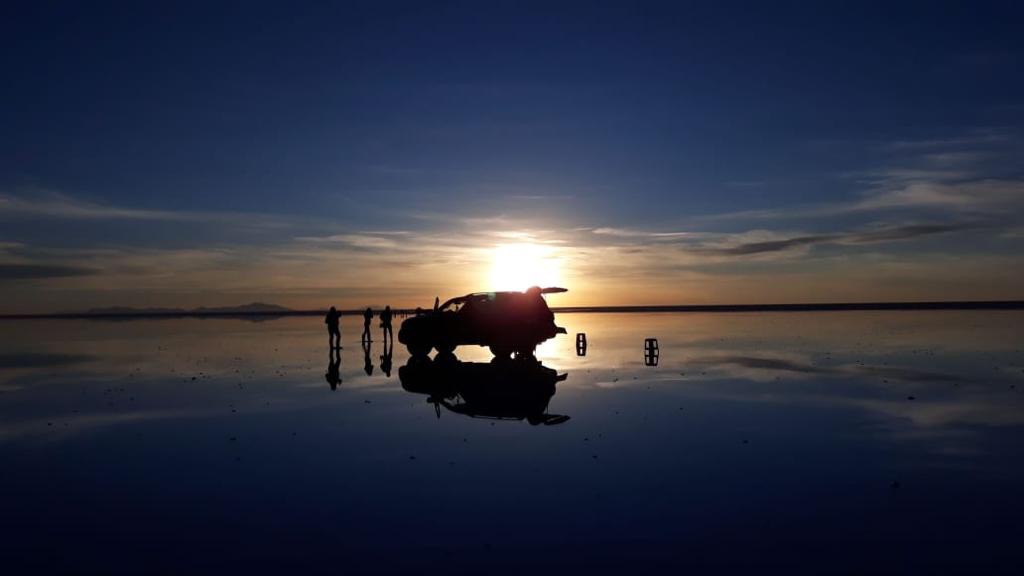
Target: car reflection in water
(502, 389)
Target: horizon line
(655, 308)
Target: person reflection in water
(385, 359)
(333, 374)
(333, 329)
(385, 323)
(367, 317)
(367, 363)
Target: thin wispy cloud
(635, 233)
(967, 174)
(368, 241)
(62, 206)
(981, 137)
(54, 205)
(879, 235)
(769, 246)
(978, 196)
(42, 271)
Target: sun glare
(519, 266)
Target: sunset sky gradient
(386, 152)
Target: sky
(370, 153)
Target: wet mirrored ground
(849, 442)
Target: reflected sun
(519, 266)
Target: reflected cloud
(767, 364)
(43, 360)
(68, 426)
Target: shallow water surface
(846, 442)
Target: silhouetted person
(385, 360)
(367, 317)
(385, 323)
(367, 364)
(333, 328)
(333, 375)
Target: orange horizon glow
(374, 269)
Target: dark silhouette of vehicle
(507, 322)
(502, 389)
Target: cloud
(977, 138)
(901, 233)
(55, 205)
(61, 206)
(633, 233)
(41, 271)
(367, 241)
(889, 234)
(980, 197)
(975, 196)
(975, 173)
(773, 245)
(983, 198)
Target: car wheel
(501, 351)
(419, 349)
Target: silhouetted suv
(507, 322)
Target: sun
(519, 266)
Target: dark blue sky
(245, 127)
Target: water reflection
(333, 374)
(894, 433)
(651, 352)
(367, 363)
(385, 358)
(502, 389)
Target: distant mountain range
(254, 308)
